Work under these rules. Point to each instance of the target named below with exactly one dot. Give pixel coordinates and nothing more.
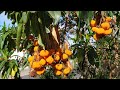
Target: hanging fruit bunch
(101, 25)
(57, 59)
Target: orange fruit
(94, 29)
(40, 71)
(68, 52)
(42, 62)
(93, 23)
(36, 48)
(64, 56)
(100, 31)
(108, 19)
(31, 58)
(58, 73)
(31, 63)
(66, 71)
(35, 53)
(57, 53)
(36, 43)
(44, 53)
(58, 66)
(36, 65)
(50, 60)
(107, 32)
(57, 57)
(105, 25)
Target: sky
(3, 18)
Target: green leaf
(2, 64)
(40, 41)
(24, 17)
(55, 15)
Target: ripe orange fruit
(40, 71)
(58, 73)
(108, 19)
(57, 57)
(100, 31)
(105, 25)
(68, 52)
(36, 65)
(31, 58)
(31, 63)
(42, 62)
(58, 66)
(36, 48)
(50, 60)
(107, 32)
(44, 53)
(35, 53)
(66, 71)
(94, 29)
(36, 43)
(64, 56)
(57, 53)
(93, 23)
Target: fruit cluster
(101, 30)
(58, 59)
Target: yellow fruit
(93, 23)
(13, 73)
(68, 52)
(108, 19)
(58, 66)
(100, 31)
(42, 62)
(36, 48)
(40, 71)
(50, 60)
(107, 32)
(44, 53)
(105, 25)
(95, 29)
(58, 73)
(66, 71)
(57, 57)
(36, 65)
(31, 58)
(64, 56)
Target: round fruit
(57, 57)
(44, 53)
(36, 43)
(64, 56)
(68, 52)
(94, 29)
(105, 25)
(58, 66)
(108, 19)
(93, 23)
(58, 73)
(40, 71)
(31, 58)
(107, 32)
(42, 62)
(100, 31)
(36, 65)
(36, 48)
(50, 60)
(66, 71)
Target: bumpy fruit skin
(100, 31)
(44, 53)
(57, 58)
(31, 58)
(58, 66)
(93, 23)
(66, 71)
(36, 48)
(40, 71)
(42, 62)
(36, 65)
(68, 52)
(64, 56)
(105, 25)
(108, 19)
(94, 29)
(58, 73)
(50, 60)
(107, 32)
